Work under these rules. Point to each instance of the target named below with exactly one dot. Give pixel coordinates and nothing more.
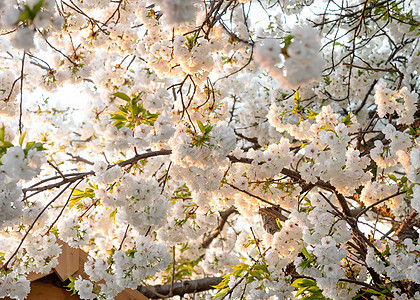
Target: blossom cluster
(16, 166)
(203, 149)
(402, 261)
(402, 102)
(125, 270)
(31, 13)
(301, 63)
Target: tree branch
(180, 288)
(406, 223)
(224, 217)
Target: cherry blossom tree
(247, 149)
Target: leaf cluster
(28, 14)
(4, 145)
(202, 138)
(309, 287)
(132, 113)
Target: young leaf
(372, 291)
(201, 126)
(37, 7)
(113, 213)
(122, 96)
(306, 253)
(2, 133)
(21, 138)
(302, 290)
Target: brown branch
(371, 69)
(56, 168)
(77, 158)
(258, 197)
(295, 175)
(378, 202)
(72, 177)
(294, 276)
(143, 156)
(124, 237)
(253, 140)
(11, 90)
(224, 215)
(180, 288)
(57, 50)
(113, 14)
(21, 93)
(406, 223)
(67, 178)
(64, 207)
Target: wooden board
(47, 291)
(68, 261)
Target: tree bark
(180, 288)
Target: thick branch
(224, 215)
(406, 223)
(136, 158)
(76, 176)
(180, 288)
(258, 197)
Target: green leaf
(6, 144)
(122, 96)
(21, 138)
(118, 116)
(256, 274)
(118, 124)
(70, 286)
(37, 7)
(25, 15)
(301, 290)
(288, 40)
(2, 133)
(297, 97)
(201, 126)
(372, 291)
(207, 129)
(278, 221)
(29, 145)
(411, 130)
(387, 251)
(306, 253)
(223, 283)
(113, 214)
(78, 195)
(135, 109)
(312, 114)
(392, 177)
(303, 282)
(304, 264)
(33, 145)
(151, 118)
(314, 289)
(54, 231)
(262, 267)
(222, 292)
(347, 120)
